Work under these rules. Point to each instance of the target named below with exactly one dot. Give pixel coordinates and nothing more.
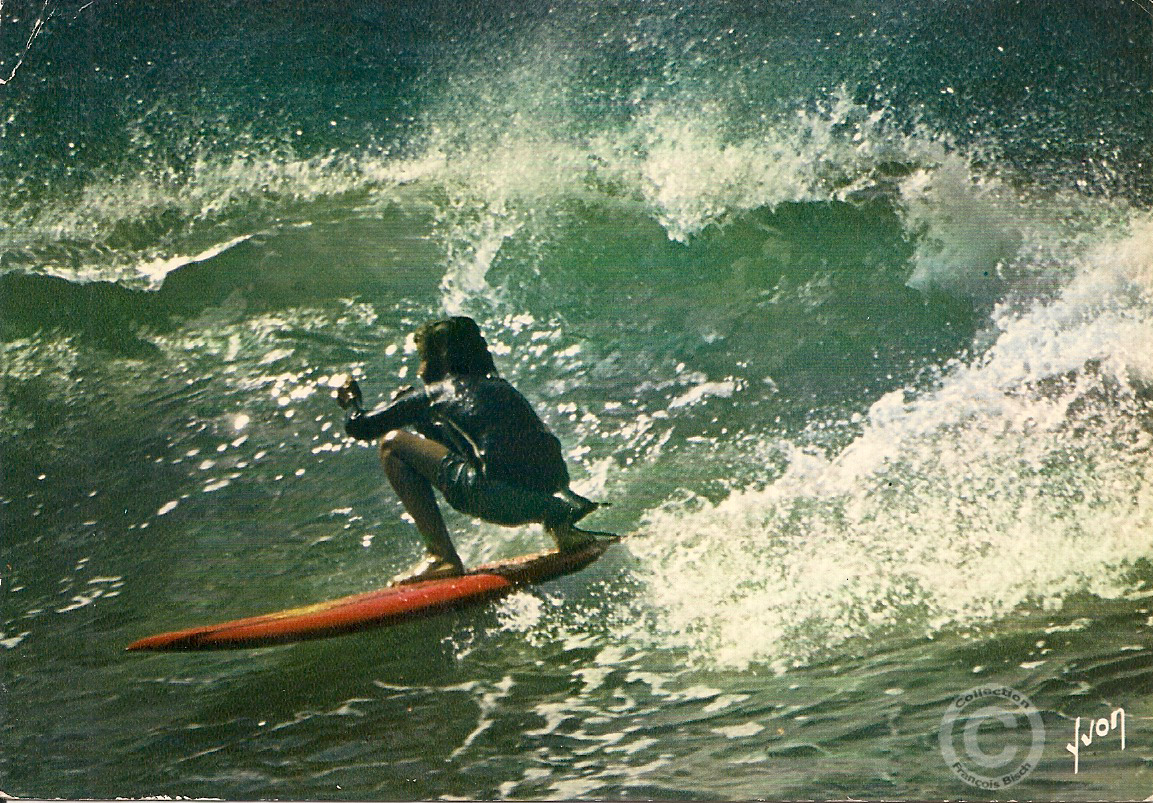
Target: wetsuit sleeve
(406, 410)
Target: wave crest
(1018, 483)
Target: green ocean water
(848, 309)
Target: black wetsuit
(503, 463)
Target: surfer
(473, 437)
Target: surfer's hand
(348, 394)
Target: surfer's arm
(406, 409)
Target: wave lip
(135, 229)
(156, 270)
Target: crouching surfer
(473, 437)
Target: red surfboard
(386, 606)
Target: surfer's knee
(401, 450)
(388, 445)
(392, 460)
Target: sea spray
(1019, 481)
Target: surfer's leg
(505, 503)
(410, 463)
(466, 489)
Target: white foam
(723, 390)
(520, 612)
(1022, 479)
(12, 642)
(157, 269)
(740, 731)
(250, 190)
(687, 171)
(486, 184)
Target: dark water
(848, 308)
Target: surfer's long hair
(453, 346)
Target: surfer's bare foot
(569, 538)
(431, 568)
(567, 509)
